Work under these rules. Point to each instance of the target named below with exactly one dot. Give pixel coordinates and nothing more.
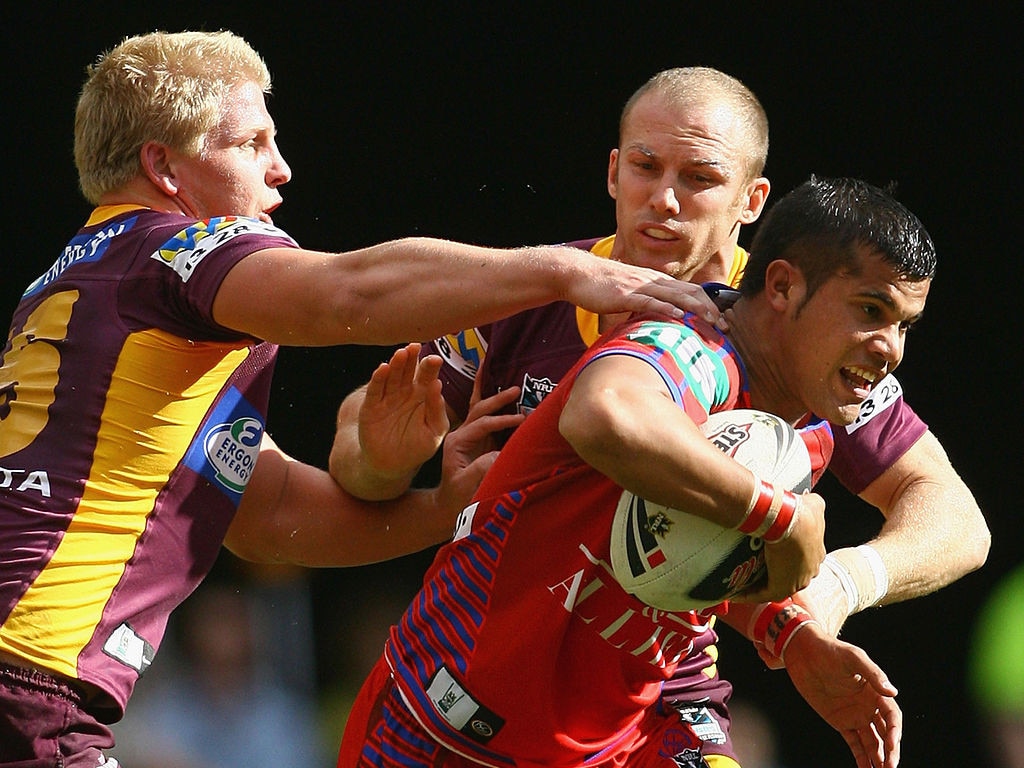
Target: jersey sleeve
(884, 430)
(199, 257)
(177, 273)
(697, 369)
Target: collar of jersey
(104, 212)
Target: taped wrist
(861, 573)
(771, 513)
(774, 624)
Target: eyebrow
(647, 152)
(886, 299)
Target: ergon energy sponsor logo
(232, 450)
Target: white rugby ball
(676, 561)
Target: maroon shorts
(43, 723)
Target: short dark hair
(820, 225)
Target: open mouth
(861, 379)
(659, 234)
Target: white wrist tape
(861, 573)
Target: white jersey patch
(464, 525)
(883, 396)
(184, 252)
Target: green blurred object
(996, 667)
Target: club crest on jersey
(227, 446)
(534, 391)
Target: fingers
(889, 721)
(861, 754)
(483, 426)
(770, 659)
(863, 668)
(674, 297)
(492, 404)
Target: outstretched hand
(403, 419)
(850, 692)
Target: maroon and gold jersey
(130, 422)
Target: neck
(751, 335)
(140, 192)
(718, 268)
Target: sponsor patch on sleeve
(187, 249)
(883, 396)
(463, 351)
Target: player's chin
(842, 414)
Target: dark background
(492, 125)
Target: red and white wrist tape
(774, 625)
(771, 514)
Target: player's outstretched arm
(933, 534)
(292, 512)
(423, 288)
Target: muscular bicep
(622, 420)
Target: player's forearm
(934, 531)
(292, 512)
(352, 533)
(936, 535)
(619, 421)
(409, 289)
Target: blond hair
(690, 86)
(161, 86)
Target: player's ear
(756, 195)
(155, 160)
(613, 173)
(781, 278)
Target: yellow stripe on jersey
(588, 322)
(720, 761)
(174, 382)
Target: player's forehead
(243, 112)
(704, 129)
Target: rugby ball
(676, 561)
